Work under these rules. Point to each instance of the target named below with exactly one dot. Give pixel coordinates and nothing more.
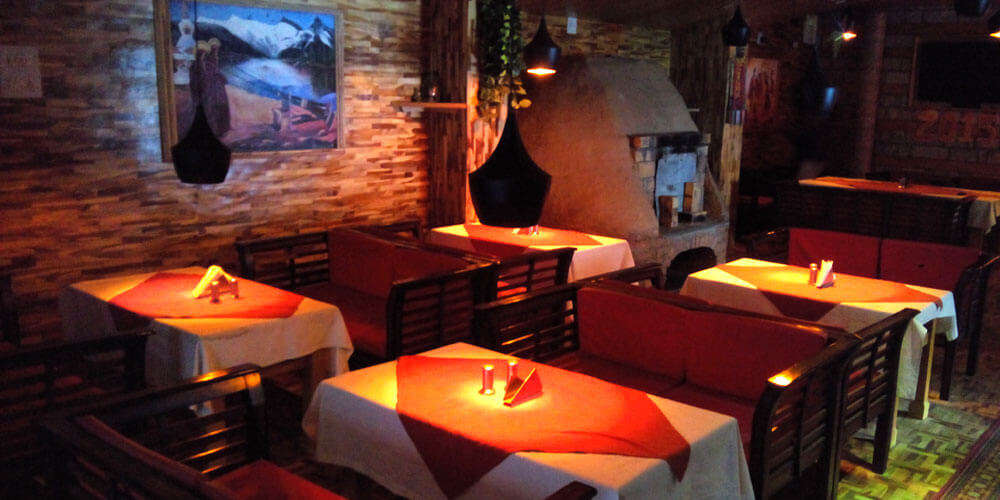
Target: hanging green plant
(498, 50)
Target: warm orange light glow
(848, 35)
(995, 34)
(542, 71)
(780, 379)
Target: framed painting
(268, 77)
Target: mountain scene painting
(266, 77)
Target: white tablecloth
(720, 287)
(183, 348)
(354, 422)
(982, 214)
(611, 254)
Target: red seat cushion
(739, 408)
(361, 261)
(932, 265)
(636, 331)
(851, 253)
(736, 354)
(263, 480)
(411, 263)
(364, 314)
(617, 373)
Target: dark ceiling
(673, 13)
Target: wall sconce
(542, 53)
(845, 25)
(994, 25)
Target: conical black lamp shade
(509, 190)
(971, 8)
(542, 53)
(200, 157)
(736, 33)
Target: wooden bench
(784, 390)
(398, 296)
(206, 438)
(46, 377)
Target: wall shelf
(430, 106)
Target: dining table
(421, 427)
(983, 213)
(594, 254)
(851, 303)
(191, 336)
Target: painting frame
(167, 96)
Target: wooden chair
(530, 271)
(650, 273)
(869, 384)
(10, 326)
(286, 262)
(687, 263)
(45, 377)
(970, 302)
(206, 438)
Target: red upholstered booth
(752, 367)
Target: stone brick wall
(84, 195)
(601, 38)
(931, 138)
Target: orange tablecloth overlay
(168, 295)
(504, 242)
(795, 297)
(462, 435)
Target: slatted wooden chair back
(531, 271)
(794, 441)
(97, 462)
(286, 262)
(213, 424)
(869, 383)
(43, 378)
(10, 325)
(970, 304)
(927, 218)
(539, 326)
(649, 274)
(433, 311)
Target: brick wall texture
(84, 194)
(931, 138)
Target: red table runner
(796, 298)
(168, 295)
(461, 435)
(503, 242)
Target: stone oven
(626, 158)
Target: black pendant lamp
(509, 190)
(736, 33)
(542, 53)
(200, 157)
(994, 25)
(971, 8)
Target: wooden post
(874, 40)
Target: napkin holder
(825, 277)
(520, 390)
(215, 283)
